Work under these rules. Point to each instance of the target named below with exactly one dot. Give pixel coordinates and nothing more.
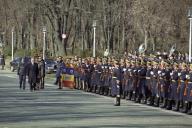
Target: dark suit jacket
(33, 72)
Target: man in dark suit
(41, 75)
(32, 74)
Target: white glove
(187, 77)
(159, 72)
(179, 74)
(152, 73)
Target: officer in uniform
(60, 67)
(82, 75)
(22, 72)
(115, 84)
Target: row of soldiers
(149, 81)
(34, 69)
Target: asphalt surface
(53, 108)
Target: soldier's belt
(148, 78)
(174, 81)
(182, 80)
(190, 82)
(142, 77)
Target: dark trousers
(22, 81)
(58, 81)
(32, 86)
(42, 82)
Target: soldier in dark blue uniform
(130, 80)
(103, 76)
(181, 88)
(98, 73)
(22, 72)
(154, 84)
(136, 81)
(165, 83)
(157, 72)
(83, 75)
(142, 87)
(116, 87)
(189, 91)
(116, 72)
(173, 89)
(123, 79)
(110, 78)
(149, 82)
(134, 76)
(60, 67)
(2, 61)
(89, 72)
(76, 74)
(104, 79)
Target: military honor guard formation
(158, 81)
(155, 81)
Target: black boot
(138, 99)
(133, 98)
(98, 89)
(105, 91)
(117, 100)
(164, 103)
(189, 109)
(94, 89)
(129, 95)
(176, 108)
(156, 104)
(151, 101)
(123, 95)
(169, 104)
(109, 92)
(185, 108)
(101, 91)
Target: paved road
(52, 108)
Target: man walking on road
(32, 74)
(22, 72)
